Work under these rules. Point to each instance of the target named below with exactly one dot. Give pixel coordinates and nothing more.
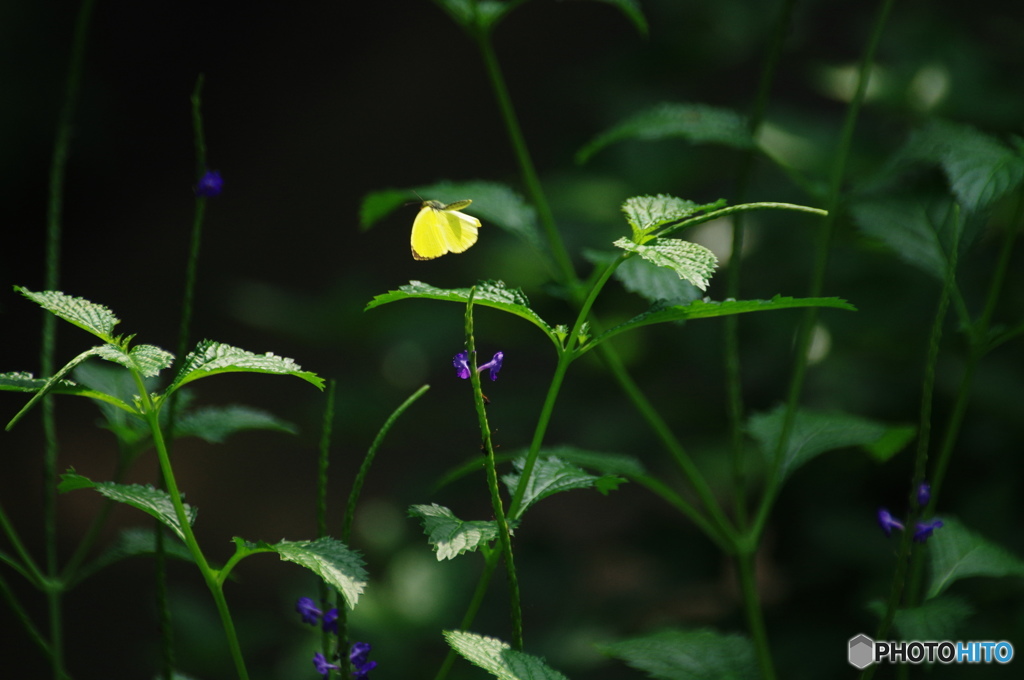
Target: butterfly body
(440, 228)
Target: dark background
(308, 107)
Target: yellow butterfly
(440, 229)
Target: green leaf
(20, 381)
(687, 655)
(55, 381)
(147, 360)
(940, 618)
(981, 169)
(493, 203)
(211, 358)
(955, 552)
(696, 123)
(647, 213)
(215, 424)
(88, 316)
(450, 535)
(690, 261)
(608, 464)
(654, 283)
(552, 475)
(155, 502)
(813, 433)
(911, 228)
(631, 8)
(498, 658)
(338, 565)
(492, 294)
(135, 542)
(706, 309)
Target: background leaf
(498, 658)
(214, 424)
(909, 227)
(687, 655)
(813, 433)
(450, 535)
(940, 618)
(955, 552)
(550, 475)
(696, 123)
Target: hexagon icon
(862, 651)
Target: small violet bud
(925, 529)
(331, 621)
(924, 494)
(461, 363)
(358, 657)
(310, 614)
(888, 522)
(322, 667)
(210, 184)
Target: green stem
(563, 263)
(746, 573)
(504, 535)
(822, 249)
(210, 575)
(731, 353)
(54, 214)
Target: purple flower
(310, 614)
(358, 656)
(210, 184)
(322, 667)
(924, 494)
(461, 364)
(888, 522)
(925, 529)
(331, 621)
(494, 365)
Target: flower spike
(307, 608)
(924, 529)
(888, 522)
(461, 363)
(210, 184)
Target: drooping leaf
(706, 309)
(155, 502)
(338, 565)
(813, 433)
(956, 552)
(88, 316)
(980, 168)
(654, 283)
(690, 261)
(498, 658)
(21, 381)
(148, 360)
(211, 358)
(552, 475)
(492, 294)
(646, 213)
(687, 655)
(450, 535)
(696, 123)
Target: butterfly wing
(437, 231)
